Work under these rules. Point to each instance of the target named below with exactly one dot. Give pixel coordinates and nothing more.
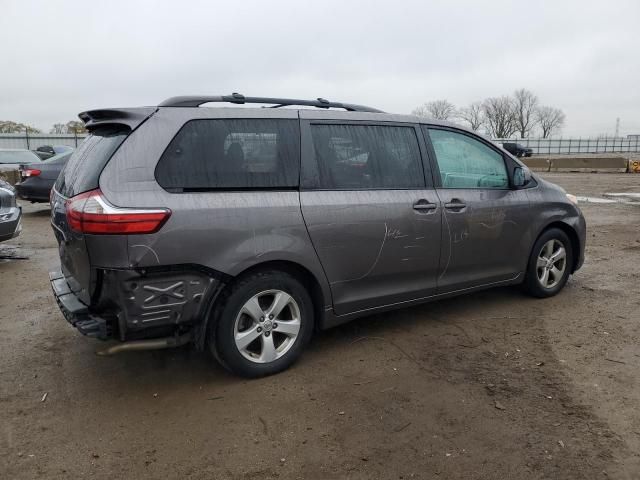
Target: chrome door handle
(455, 204)
(424, 205)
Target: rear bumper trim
(76, 312)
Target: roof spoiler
(237, 98)
(129, 117)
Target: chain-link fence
(551, 146)
(32, 141)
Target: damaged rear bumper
(76, 312)
(132, 305)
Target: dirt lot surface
(488, 386)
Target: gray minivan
(243, 230)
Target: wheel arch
(302, 274)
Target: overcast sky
(63, 57)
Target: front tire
(549, 264)
(262, 324)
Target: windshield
(18, 156)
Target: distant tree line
(7, 126)
(71, 127)
(501, 117)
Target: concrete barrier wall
(593, 163)
(537, 163)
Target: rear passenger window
(232, 154)
(354, 157)
(465, 162)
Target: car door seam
(446, 220)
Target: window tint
(232, 154)
(367, 156)
(465, 162)
(82, 171)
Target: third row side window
(232, 154)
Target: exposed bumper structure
(144, 310)
(76, 312)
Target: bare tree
(500, 116)
(58, 128)
(7, 126)
(74, 126)
(550, 120)
(438, 109)
(473, 115)
(525, 105)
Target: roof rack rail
(237, 98)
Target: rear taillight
(31, 172)
(91, 213)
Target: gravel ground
(491, 385)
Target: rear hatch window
(83, 169)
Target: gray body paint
(366, 250)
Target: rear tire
(262, 324)
(550, 264)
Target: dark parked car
(244, 230)
(14, 158)
(10, 213)
(38, 178)
(45, 152)
(517, 149)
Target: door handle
(423, 204)
(455, 205)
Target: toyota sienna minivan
(244, 230)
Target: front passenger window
(465, 162)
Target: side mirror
(521, 177)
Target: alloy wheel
(267, 326)
(551, 263)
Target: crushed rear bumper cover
(135, 304)
(76, 312)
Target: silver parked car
(243, 230)
(14, 158)
(10, 212)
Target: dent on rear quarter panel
(224, 231)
